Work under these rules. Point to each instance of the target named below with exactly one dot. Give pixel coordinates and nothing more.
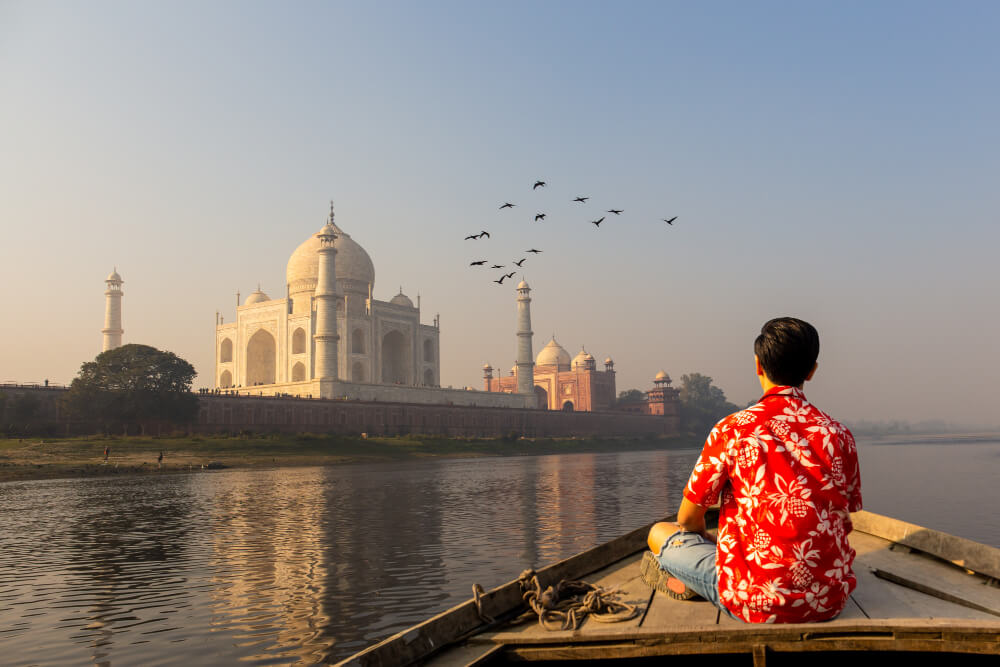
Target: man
(788, 477)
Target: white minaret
(113, 312)
(326, 336)
(525, 360)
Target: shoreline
(28, 459)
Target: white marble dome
(257, 296)
(553, 354)
(401, 300)
(354, 268)
(582, 359)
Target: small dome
(608, 361)
(662, 377)
(583, 359)
(256, 297)
(487, 367)
(522, 285)
(401, 299)
(553, 354)
(113, 277)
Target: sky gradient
(832, 161)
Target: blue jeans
(691, 558)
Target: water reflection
(294, 565)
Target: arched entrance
(543, 397)
(261, 359)
(226, 380)
(395, 359)
(358, 372)
(226, 351)
(568, 406)
(358, 342)
(298, 372)
(428, 350)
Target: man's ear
(757, 367)
(812, 372)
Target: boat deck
(919, 591)
(913, 600)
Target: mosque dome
(256, 297)
(113, 277)
(353, 267)
(553, 354)
(401, 299)
(583, 360)
(522, 285)
(608, 361)
(662, 377)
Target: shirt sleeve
(711, 472)
(852, 473)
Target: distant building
(662, 400)
(561, 383)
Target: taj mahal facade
(330, 338)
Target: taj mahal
(328, 337)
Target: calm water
(311, 564)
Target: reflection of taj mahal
(330, 338)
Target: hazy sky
(833, 161)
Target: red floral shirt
(788, 477)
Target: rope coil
(565, 605)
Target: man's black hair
(787, 349)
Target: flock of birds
(539, 217)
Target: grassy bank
(33, 458)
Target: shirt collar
(791, 392)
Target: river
(311, 564)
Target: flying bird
(484, 233)
(597, 223)
(670, 221)
(509, 275)
(532, 250)
(538, 184)
(540, 216)
(582, 200)
(507, 205)
(616, 211)
(472, 236)
(521, 262)
(479, 263)
(500, 282)
(497, 266)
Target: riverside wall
(221, 413)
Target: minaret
(326, 336)
(113, 312)
(525, 360)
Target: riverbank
(49, 458)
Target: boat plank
(465, 655)
(878, 598)
(965, 553)
(666, 613)
(932, 577)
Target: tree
(133, 385)
(631, 396)
(702, 404)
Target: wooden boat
(919, 591)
